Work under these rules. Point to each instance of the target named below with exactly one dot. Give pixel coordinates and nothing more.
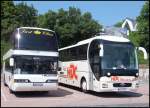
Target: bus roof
(102, 37)
(36, 28)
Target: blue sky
(106, 13)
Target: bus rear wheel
(84, 86)
(11, 91)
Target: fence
(144, 73)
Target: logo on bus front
(117, 78)
(72, 71)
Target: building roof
(131, 23)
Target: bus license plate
(37, 84)
(122, 89)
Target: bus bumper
(34, 86)
(109, 87)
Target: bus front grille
(122, 85)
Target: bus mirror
(144, 52)
(101, 52)
(11, 61)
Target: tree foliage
(135, 38)
(143, 26)
(13, 16)
(71, 25)
(118, 24)
(26, 15)
(7, 19)
(141, 36)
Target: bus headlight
(21, 80)
(137, 74)
(108, 74)
(104, 85)
(137, 85)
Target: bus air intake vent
(122, 85)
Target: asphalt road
(67, 96)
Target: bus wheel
(4, 81)
(84, 86)
(11, 91)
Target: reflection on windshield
(36, 66)
(119, 56)
(30, 41)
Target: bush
(5, 46)
(141, 58)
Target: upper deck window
(36, 39)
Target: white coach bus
(102, 64)
(31, 64)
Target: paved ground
(70, 96)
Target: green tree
(71, 25)
(118, 24)
(143, 26)
(26, 15)
(67, 26)
(13, 16)
(47, 21)
(135, 38)
(7, 19)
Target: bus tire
(11, 91)
(4, 81)
(84, 85)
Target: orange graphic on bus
(72, 71)
(115, 78)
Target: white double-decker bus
(31, 63)
(102, 64)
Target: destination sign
(36, 32)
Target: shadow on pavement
(70, 87)
(116, 94)
(106, 94)
(53, 93)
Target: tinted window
(35, 65)
(94, 58)
(13, 38)
(119, 56)
(82, 52)
(31, 39)
(75, 53)
(7, 66)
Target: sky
(106, 13)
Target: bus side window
(13, 39)
(8, 67)
(82, 52)
(73, 54)
(95, 59)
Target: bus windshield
(33, 39)
(119, 56)
(35, 65)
